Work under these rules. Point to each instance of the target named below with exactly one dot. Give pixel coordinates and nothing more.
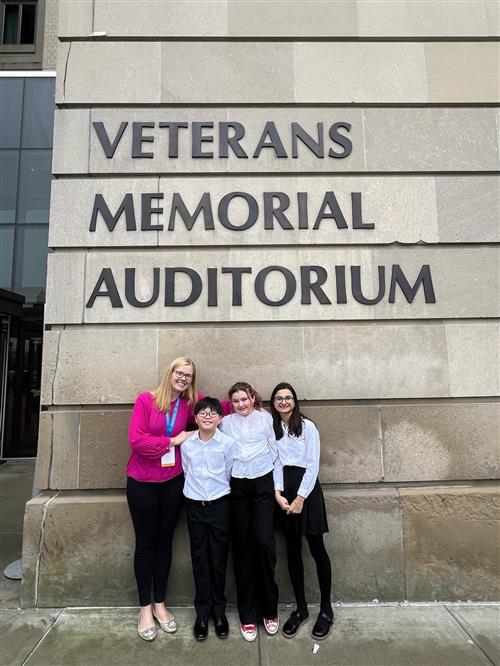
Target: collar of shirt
(196, 437)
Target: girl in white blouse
(300, 497)
(252, 510)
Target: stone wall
(405, 393)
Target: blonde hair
(163, 394)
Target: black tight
(155, 509)
(296, 569)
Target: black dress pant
(209, 537)
(254, 549)
(155, 509)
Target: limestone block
(49, 366)
(440, 18)
(65, 269)
(274, 18)
(104, 448)
(430, 139)
(350, 442)
(83, 534)
(463, 72)
(153, 18)
(366, 544)
(473, 359)
(387, 134)
(451, 542)
(75, 18)
(71, 143)
(65, 450)
(315, 18)
(132, 73)
(226, 72)
(392, 361)
(44, 451)
(407, 210)
(72, 207)
(281, 282)
(225, 355)
(441, 441)
(34, 521)
(468, 209)
(105, 365)
(359, 72)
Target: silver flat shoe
(148, 634)
(169, 626)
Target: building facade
(27, 86)
(303, 193)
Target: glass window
(10, 23)
(11, 104)
(19, 19)
(27, 25)
(31, 262)
(9, 160)
(6, 255)
(38, 113)
(34, 186)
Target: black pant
(209, 537)
(296, 568)
(155, 509)
(254, 550)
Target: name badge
(168, 459)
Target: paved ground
(372, 635)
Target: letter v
(108, 147)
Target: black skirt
(312, 519)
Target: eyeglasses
(281, 398)
(187, 375)
(208, 415)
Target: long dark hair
(296, 418)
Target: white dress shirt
(256, 451)
(207, 466)
(300, 451)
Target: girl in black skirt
(300, 497)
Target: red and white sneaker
(249, 632)
(272, 625)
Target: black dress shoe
(221, 626)
(200, 629)
(291, 626)
(323, 625)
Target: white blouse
(300, 451)
(256, 452)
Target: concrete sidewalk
(363, 635)
(383, 635)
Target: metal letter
(290, 288)
(106, 278)
(130, 288)
(196, 286)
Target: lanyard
(171, 422)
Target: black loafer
(221, 626)
(323, 625)
(291, 626)
(200, 629)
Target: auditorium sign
(299, 212)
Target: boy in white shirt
(207, 460)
